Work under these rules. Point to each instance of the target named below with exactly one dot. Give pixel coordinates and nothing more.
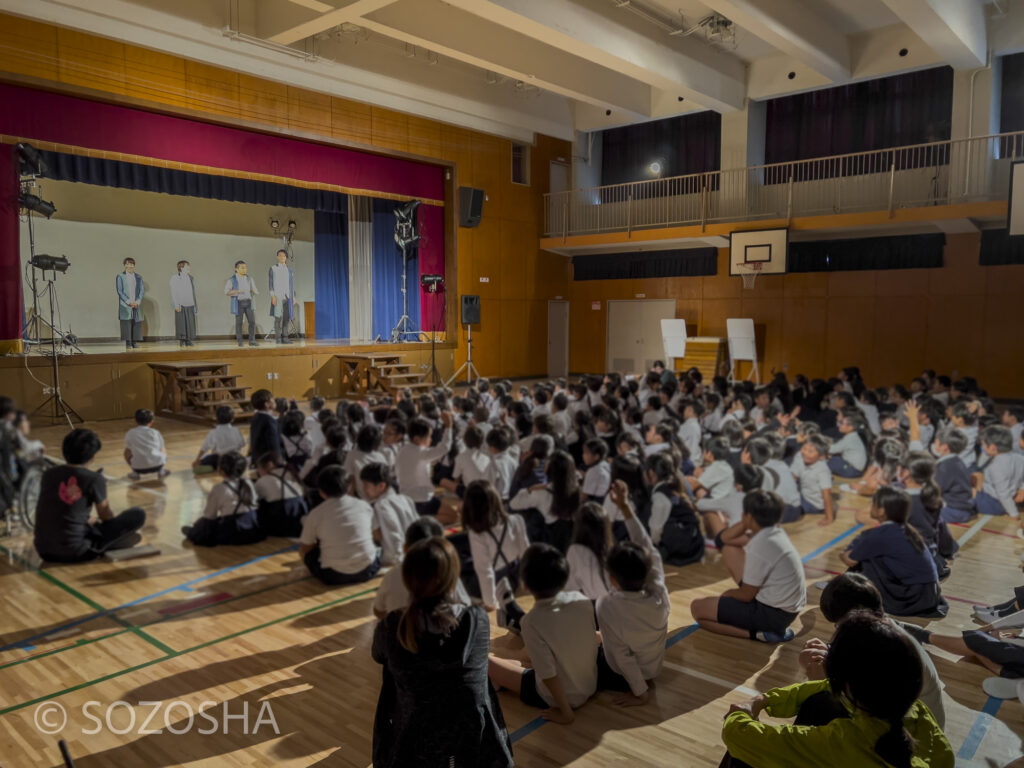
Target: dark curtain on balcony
(1011, 116)
(903, 252)
(689, 262)
(998, 248)
(898, 111)
(680, 145)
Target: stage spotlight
(56, 263)
(432, 283)
(275, 224)
(35, 203)
(30, 162)
(655, 168)
(291, 225)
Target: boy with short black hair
(690, 432)
(815, 478)
(337, 535)
(772, 592)
(560, 637)
(715, 479)
(414, 459)
(264, 432)
(314, 428)
(1002, 474)
(144, 447)
(393, 512)
(67, 494)
(503, 466)
(222, 438)
(958, 505)
(964, 418)
(1013, 417)
(598, 477)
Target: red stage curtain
(431, 255)
(10, 261)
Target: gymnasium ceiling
(516, 67)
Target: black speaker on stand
(470, 316)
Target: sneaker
(134, 476)
(1000, 687)
(988, 614)
(775, 637)
(163, 472)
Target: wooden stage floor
(244, 627)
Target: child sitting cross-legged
(229, 516)
(222, 438)
(393, 513)
(772, 592)
(561, 641)
(281, 502)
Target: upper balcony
(941, 173)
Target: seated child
(815, 478)
(917, 474)
(634, 614)
(221, 439)
(598, 477)
(314, 425)
(772, 591)
(393, 513)
(776, 475)
(281, 503)
(337, 535)
(471, 463)
(673, 521)
(367, 451)
(719, 514)
(264, 432)
(530, 471)
(1013, 418)
(1002, 474)
(296, 443)
(954, 481)
(503, 465)
(229, 516)
(690, 432)
(963, 417)
(29, 449)
(67, 494)
(560, 638)
(848, 456)
(392, 594)
(715, 479)
(591, 541)
(144, 447)
(894, 557)
(413, 460)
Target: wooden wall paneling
(295, 377)
(721, 285)
(960, 273)
(261, 101)
(515, 339)
(768, 322)
(30, 48)
(486, 259)
(89, 61)
(492, 170)
(424, 137)
(797, 284)
(456, 148)
(851, 283)
(900, 339)
(1003, 339)
(715, 313)
(389, 129)
(309, 111)
(690, 311)
(488, 338)
(517, 259)
(804, 323)
(902, 282)
(211, 89)
(351, 121)
(954, 340)
(850, 338)
(536, 337)
(765, 287)
(154, 76)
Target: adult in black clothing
(67, 494)
(436, 705)
(264, 432)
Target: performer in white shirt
(282, 296)
(183, 297)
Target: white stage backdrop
(88, 301)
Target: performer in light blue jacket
(241, 288)
(130, 291)
(183, 297)
(282, 296)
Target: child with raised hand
(550, 508)
(281, 499)
(815, 479)
(591, 542)
(894, 557)
(413, 461)
(1002, 474)
(337, 535)
(560, 638)
(497, 543)
(393, 513)
(222, 438)
(848, 456)
(229, 516)
(634, 614)
(673, 522)
(771, 592)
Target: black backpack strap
(286, 484)
(238, 496)
(499, 542)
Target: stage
(107, 381)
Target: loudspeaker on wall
(471, 206)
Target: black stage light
(37, 204)
(432, 283)
(30, 162)
(56, 263)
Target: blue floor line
(527, 729)
(981, 725)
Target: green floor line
(194, 648)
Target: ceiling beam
(619, 41)
(448, 31)
(350, 13)
(955, 29)
(795, 29)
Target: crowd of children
(579, 492)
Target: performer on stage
(282, 296)
(241, 289)
(183, 296)
(130, 291)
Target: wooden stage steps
(384, 373)
(192, 390)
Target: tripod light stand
(406, 236)
(467, 366)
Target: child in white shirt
(313, 424)
(144, 447)
(229, 516)
(598, 477)
(222, 438)
(591, 542)
(472, 463)
(337, 535)
(634, 614)
(393, 513)
(296, 443)
(690, 431)
(715, 479)
(281, 502)
(815, 478)
(414, 459)
(367, 451)
(503, 465)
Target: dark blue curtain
(387, 273)
(1011, 114)
(330, 272)
(115, 173)
(684, 262)
(900, 252)
(997, 248)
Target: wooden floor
(243, 626)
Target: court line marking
(982, 723)
(979, 525)
(108, 611)
(745, 690)
(185, 651)
(989, 530)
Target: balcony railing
(938, 173)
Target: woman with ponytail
(876, 671)
(894, 557)
(436, 705)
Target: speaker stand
(467, 366)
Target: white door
(558, 339)
(634, 334)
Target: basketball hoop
(749, 278)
